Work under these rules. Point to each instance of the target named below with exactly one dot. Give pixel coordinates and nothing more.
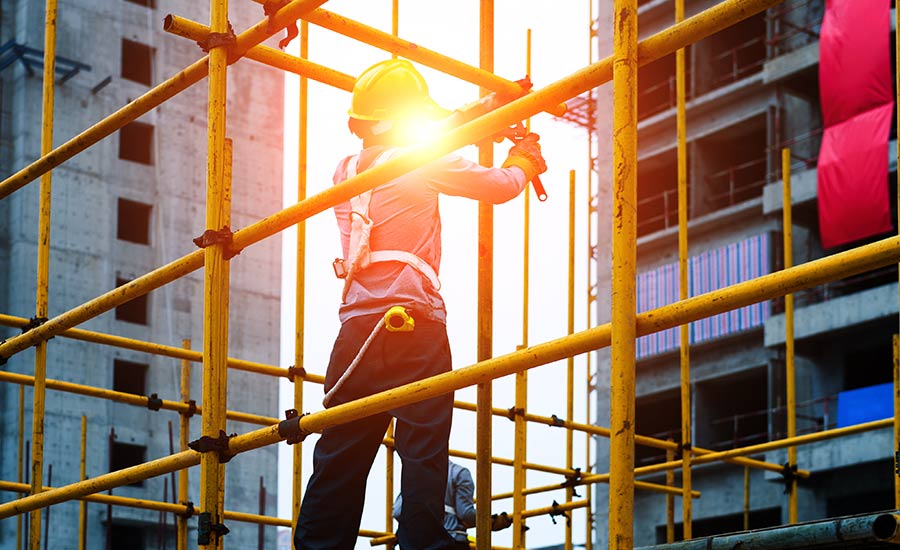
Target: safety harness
(360, 254)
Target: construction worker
(391, 240)
(459, 507)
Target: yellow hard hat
(393, 90)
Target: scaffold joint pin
(270, 8)
(222, 236)
(154, 403)
(206, 528)
(289, 428)
(214, 444)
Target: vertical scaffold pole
(300, 288)
(484, 400)
(389, 484)
(790, 375)
(670, 498)
(570, 362)
(687, 507)
(43, 271)
(20, 466)
(184, 435)
(588, 467)
(520, 444)
(621, 480)
(82, 505)
(215, 303)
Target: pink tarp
(857, 104)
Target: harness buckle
(340, 270)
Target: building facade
(752, 89)
(127, 205)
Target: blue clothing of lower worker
(459, 504)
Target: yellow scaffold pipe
(42, 284)
(587, 481)
(181, 26)
(692, 29)
(132, 398)
(163, 91)
(160, 349)
(766, 287)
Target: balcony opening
(137, 62)
(657, 91)
(657, 206)
(126, 455)
(133, 221)
(130, 377)
(733, 54)
(731, 523)
(136, 142)
(659, 416)
(859, 489)
(733, 164)
(132, 311)
(793, 25)
(736, 409)
(146, 3)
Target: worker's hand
(526, 154)
(500, 521)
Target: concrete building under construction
(744, 341)
(127, 206)
(751, 90)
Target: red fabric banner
(856, 94)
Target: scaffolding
(215, 447)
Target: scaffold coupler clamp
(572, 481)
(896, 461)
(513, 412)
(556, 511)
(188, 510)
(270, 8)
(296, 372)
(192, 408)
(789, 473)
(218, 445)
(225, 40)
(289, 428)
(206, 529)
(222, 236)
(557, 421)
(154, 403)
(684, 449)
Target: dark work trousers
(332, 505)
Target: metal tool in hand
(516, 134)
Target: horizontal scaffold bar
(161, 349)
(766, 287)
(132, 398)
(663, 43)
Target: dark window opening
(126, 455)
(657, 206)
(731, 523)
(871, 364)
(133, 221)
(860, 489)
(136, 142)
(146, 3)
(657, 416)
(133, 311)
(137, 62)
(735, 164)
(130, 377)
(736, 409)
(127, 536)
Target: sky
(560, 45)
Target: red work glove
(526, 154)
